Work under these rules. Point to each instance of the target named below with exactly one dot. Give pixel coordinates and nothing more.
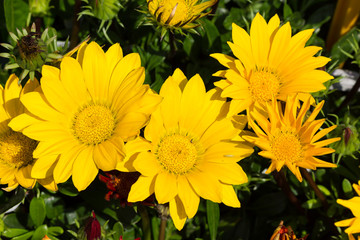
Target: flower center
(178, 153)
(93, 124)
(16, 150)
(264, 85)
(287, 147)
(172, 11)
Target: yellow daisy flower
(289, 138)
(16, 150)
(353, 204)
(269, 63)
(188, 151)
(85, 111)
(178, 13)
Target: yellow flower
(178, 13)
(288, 138)
(188, 151)
(85, 111)
(353, 204)
(16, 150)
(270, 64)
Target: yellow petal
(229, 196)
(44, 166)
(165, 187)
(188, 197)
(177, 213)
(84, 169)
(11, 96)
(96, 79)
(205, 185)
(141, 189)
(24, 178)
(147, 164)
(64, 166)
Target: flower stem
(76, 27)
(162, 228)
(146, 227)
(284, 185)
(316, 189)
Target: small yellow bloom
(178, 13)
(189, 150)
(289, 138)
(16, 150)
(269, 63)
(85, 111)
(353, 204)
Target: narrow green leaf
(16, 12)
(213, 217)
(13, 232)
(24, 237)
(55, 231)
(37, 210)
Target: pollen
(264, 85)
(93, 124)
(172, 12)
(286, 147)
(16, 150)
(177, 153)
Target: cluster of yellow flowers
(87, 115)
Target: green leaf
(311, 204)
(68, 189)
(346, 186)
(212, 32)
(15, 199)
(13, 221)
(40, 232)
(118, 228)
(16, 12)
(55, 230)
(287, 11)
(213, 217)
(37, 210)
(13, 232)
(24, 237)
(324, 190)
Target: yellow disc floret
(93, 124)
(264, 85)
(16, 150)
(177, 153)
(287, 147)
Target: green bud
(30, 51)
(350, 142)
(39, 8)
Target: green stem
(162, 228)
(316, 189)
(146, 226)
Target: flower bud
(91, 230)
(39, 8)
